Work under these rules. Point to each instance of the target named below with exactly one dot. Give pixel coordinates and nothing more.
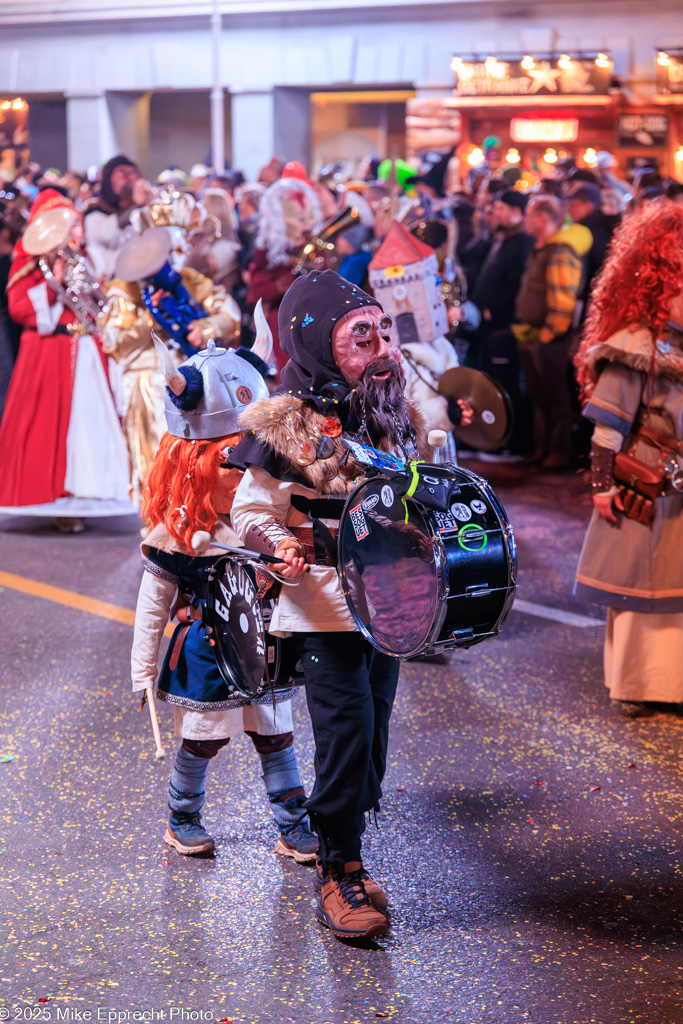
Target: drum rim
(221, 661)
(429, 519)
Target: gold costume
(127, 328)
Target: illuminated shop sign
(544, 129)
(531, 76)
(669, 71)
(642, 130)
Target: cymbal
(143, 255)
(48, 231)
(493, 416)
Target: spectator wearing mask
(545, 311)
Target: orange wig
(642, 275)
(179, 493)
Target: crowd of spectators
(526, 257)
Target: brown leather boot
(345, 908)
(373, 890)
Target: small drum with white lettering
(418, 580)
(250, 659)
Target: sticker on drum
(461, 512)
(387, 496)
(370, 502)
(488, 416)
(478, 506)
(360, 526)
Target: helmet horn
(175, 380)
(263, 346)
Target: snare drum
(418, 580)
(256, 664)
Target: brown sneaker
(345, 908)
(373, 890)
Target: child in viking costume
(153, 290)
(191, 489)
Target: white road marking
(542, 611)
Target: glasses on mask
(362, 328)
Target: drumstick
(160, 752)
(201, 540)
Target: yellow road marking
(70, 599)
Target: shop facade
(305, 80)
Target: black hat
(432, 232)
(311, 307)
(435, 177)
(512, 198)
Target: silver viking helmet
(206, 394)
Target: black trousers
(350, 689)
(548, 375)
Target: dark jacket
(499, 279)
(601, 228)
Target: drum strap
(186, 616)
(324, 539)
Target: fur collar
(283, 422)
(634, 347)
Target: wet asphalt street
(530, 840)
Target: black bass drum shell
(417, 579)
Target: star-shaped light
(544, 76)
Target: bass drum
(256, 664)
(417, 580)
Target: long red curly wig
(642, 275)
(179, 492)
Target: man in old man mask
(343, 378)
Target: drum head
(388, 569)
(493, 416)
(235, 615)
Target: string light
(679, 153)
(565, 62)
(663, 59)
(494, 68)
(461, 69)
(528, 63)
(6, 105)
(602, 61)
(476, 157)
(550, 156)
(590, 157)
(18, 104)
(512, 156)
